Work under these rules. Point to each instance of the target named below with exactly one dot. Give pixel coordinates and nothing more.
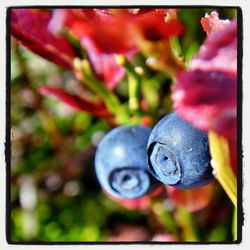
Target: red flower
(97, 26)
(193, 199)
(155, 26)
(113, 30)
(104, 65)
(206, 95)
(104, 32)
(141, 203)
(30, 27)
(82, 23)
(75, 102)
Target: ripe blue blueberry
(178, 154)
(121, 162)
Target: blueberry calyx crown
(129, 182)
(168, 171)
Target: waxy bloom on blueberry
(178, 154)
(121, 162)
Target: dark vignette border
(240, 213)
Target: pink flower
(211, 23)
(206, 94)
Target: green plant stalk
(186, 222)
(123, 61)
(134, 83)
(175, 45)
(223, 172)
(165, 217)
(134, 87)
(234, 228)
(176, 59)
(110, 100)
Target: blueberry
(178, 154)
(121, 162)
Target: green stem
(234, 228)
(165, 217)
(134, 83)
(134, 86)
(176, 61)
(223, 172)
(175, 46)
(122, 60)
(186, 222)
(110, 100)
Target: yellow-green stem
(234, 227)
(165, 217)
(134, 83)
(110, 100)
(186, 222)
(134, 93)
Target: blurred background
(55, 196)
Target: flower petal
(220, 47)
(154, 25)
(75, 102)
(206, 95)
(113, 30)
(211, 23)
(105, 65)
(207, 99)
(29, 26)
(193, 200)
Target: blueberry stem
(223, 172)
